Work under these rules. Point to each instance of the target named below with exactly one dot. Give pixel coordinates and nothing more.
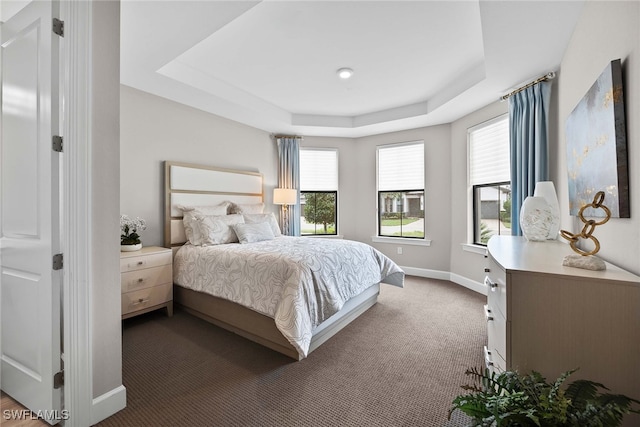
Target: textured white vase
(130, 248)
(547, 190)
(536, 218)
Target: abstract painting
(597, 147)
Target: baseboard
(108, 404)
(445, 275)
(469, 284)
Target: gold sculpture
(589, 226)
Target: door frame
(76, 237)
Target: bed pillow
(249, 208)
(214, 229)
(269, 218)
(191, 228)
(221, 209)
(251, 233)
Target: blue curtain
(529, 139)
(289, 177)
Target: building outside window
(400, 170)
(319, 191)
(489, 177)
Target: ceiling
(272, 64)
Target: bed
(290, 294)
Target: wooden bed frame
(190, 184)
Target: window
(318, 191)
(490, 179)
(401, 190)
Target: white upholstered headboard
(197, 185)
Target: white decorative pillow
(251, 233)
(250, 208)
(220, 209)
(269, 218)
(215, 229)
(191, 228)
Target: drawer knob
(487, 313)
(140, 262)
(488, 282)
(140, 280)
(487, 269)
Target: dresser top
(517, 254)
(146, 250)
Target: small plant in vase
(129, 237)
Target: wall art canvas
(597, 147)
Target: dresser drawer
(139, 262)
(496, 283)
(140, 279)
(496, 331)
(493, 361)
(148, 297)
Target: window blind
(489, 152)
(318, 170)
(401, 167)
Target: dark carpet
(399, 364)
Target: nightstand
(146, 280)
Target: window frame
(335, 216)
(476, 225)
(336, 191)
(474, 230)
(382, 237)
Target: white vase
(130, 248)
(547, 190)
(536, 218)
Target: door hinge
(57, 144)
(57, 262)
(58, 379)
(58, 27)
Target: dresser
(146, 281)
(549, 318)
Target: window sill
(324, 236)
(404, 241)
(476, 249)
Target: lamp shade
(285, 196)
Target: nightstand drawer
(143, 298)
(140, 261)
(140, 279)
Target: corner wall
(607, 30)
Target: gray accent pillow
(251, 233)
(269, 218)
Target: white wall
(606, 31)
(154, 129)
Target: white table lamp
(285, 197)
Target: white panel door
(29, 214)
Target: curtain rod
(287, 136)
(549, 76)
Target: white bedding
(297, 281)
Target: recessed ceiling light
(345, 73)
